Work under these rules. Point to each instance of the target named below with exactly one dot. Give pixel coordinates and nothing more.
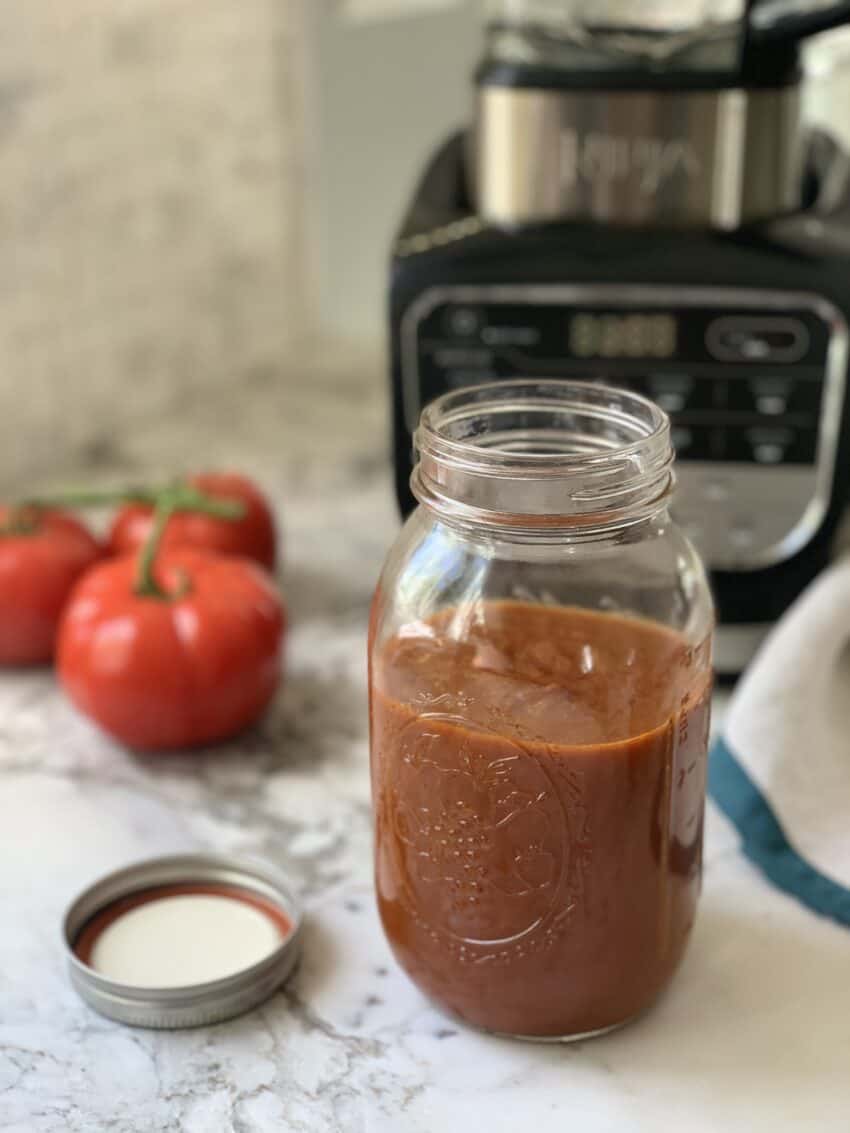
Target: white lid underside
(184, 941)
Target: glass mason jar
(540, 678)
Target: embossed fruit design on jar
(540, 674)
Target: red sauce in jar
(538, 780)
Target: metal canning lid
(259, 899)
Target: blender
(639, 202)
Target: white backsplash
(148, 211)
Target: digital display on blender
(743, 384)
(617, 335)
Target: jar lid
(182, 941)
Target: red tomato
(38, 568)
(252, 536)
(161, 673)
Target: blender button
(671, 401)
(753, 348)
(464, 321)
(771, 405)
(769, 453)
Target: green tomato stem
(24, 518)
(146, 583)
(180, 497)
(93, 497)
(184, 497)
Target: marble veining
(752, 1037)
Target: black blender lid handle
(789, 21)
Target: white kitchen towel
(781, 770)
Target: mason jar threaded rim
(543, 455)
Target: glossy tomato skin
(162, 674)
(38, 569)
(253, 536)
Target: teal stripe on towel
(765, 842)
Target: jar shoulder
(652, 572)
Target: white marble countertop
(753, 1036)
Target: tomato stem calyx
(180, 497)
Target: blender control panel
(753, 382)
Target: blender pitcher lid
(620, 35)
(656, 43)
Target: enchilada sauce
(538, 783)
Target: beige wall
(149, 212)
